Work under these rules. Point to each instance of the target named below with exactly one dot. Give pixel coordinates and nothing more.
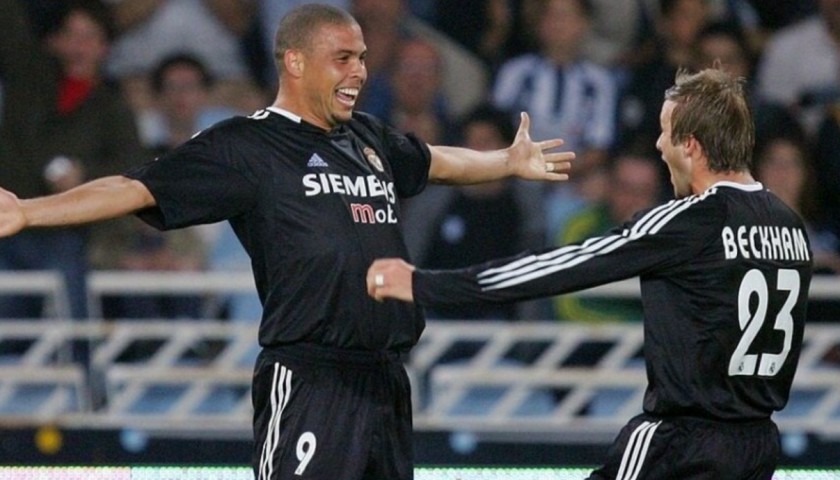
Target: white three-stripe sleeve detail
(673, 213)
(532, 267)
(554, 257)
(567, 261)
(654, 215)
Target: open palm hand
(534, 160)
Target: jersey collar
(747, 187)
(291, 116)
(340, 130)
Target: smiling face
(330, 73)
(674, 156)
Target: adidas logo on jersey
(316, 161)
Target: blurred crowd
(92, 87)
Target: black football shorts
(327, 414)
(686, 448)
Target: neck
(704, 182)
(288, 102)
(282, 101)
(561, 56)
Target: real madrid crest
(373, 159)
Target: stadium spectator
(800, 65)
(385, 24)
(567, 95)
(485, 31)
(414, 98)
(151, 30)
(825, 164)
(676, 30)
(182, 88)
(63, 123)
(783, 166)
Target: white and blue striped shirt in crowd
(576, 102)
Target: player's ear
(693, 148)
(293, 59)
(690, 144)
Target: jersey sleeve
(656, 242)
(408, 156)
(199, 182)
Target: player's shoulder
(367, 120)
(713, 200)
(718, 202)
(245, 128)
(226, 125)
(369, 127)
(738, 202)
(723, 194)
(693, 213)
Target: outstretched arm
(100, 199)
(524, 158)
(656, 243)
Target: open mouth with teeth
(347, 96)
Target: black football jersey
(724, 278)
(312, 209)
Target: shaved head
(297, 28)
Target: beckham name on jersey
(765, 242)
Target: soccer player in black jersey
(311, 189)
(724, 270)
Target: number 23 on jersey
(752, 317)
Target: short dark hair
(177, 59)
(297, 27)
(712, 107)
(95, 9)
